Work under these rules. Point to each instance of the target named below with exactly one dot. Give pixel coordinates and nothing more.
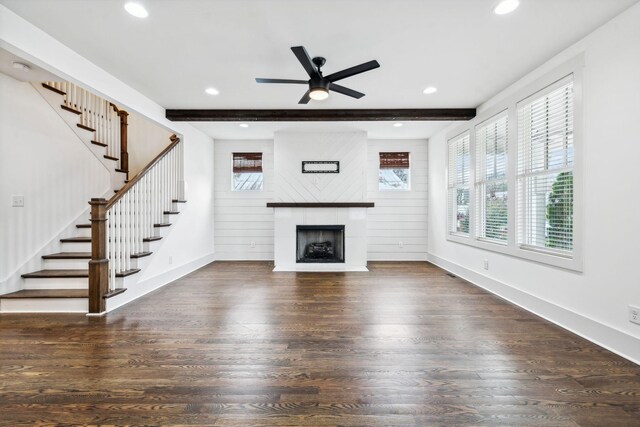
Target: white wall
(145, 140)
(398, 216)
(291, 149)
(191, 240)
(44, 161)
(242, 217)
(592, 303)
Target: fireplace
(320, 244)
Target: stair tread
(102, 144)
(76, 240)
(48, 293)
(111, 157)
(122, 170)
(179, 201)
(128, 272)
(83, 225)
(68, 255)
(43, 274)
(113, 293)
(53, 89)
(141, 254)
(164, 224)
(171, 212)
(72, 110)
(151, 239)
(81, 126)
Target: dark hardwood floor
(235, 344)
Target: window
(545, 170)
(247, 171)
(514, 172)
(491, 180)
(394, 171)
(458, 185)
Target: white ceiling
(184, 46)
(34, 74)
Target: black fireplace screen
(320, 243)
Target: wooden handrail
(174, 141)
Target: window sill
(568, 263)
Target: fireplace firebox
(320, 243)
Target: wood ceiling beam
(322, 115)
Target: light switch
(17, 201)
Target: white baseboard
(142, 288)
(605, 336)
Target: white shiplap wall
(291, 149)
(398, 216)
(241, 217)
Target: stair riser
(75, 247)
(152, 246)
(57, 283)
(82, 232)
(44, 305)
(65, 264)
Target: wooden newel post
(124, 152)
(99, 264)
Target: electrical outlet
(486, 264)
(17, 201)
(253, 244)
(634, 314)
(400, 244)
(170, 260)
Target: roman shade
(247, 162)
(399, 160)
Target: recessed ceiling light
(244, 125)
(397, 125)
(429, 90)
(21, 66)
(212, 91)
(136, 9)
(506, 6)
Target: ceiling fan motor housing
(320, 83)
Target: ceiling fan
(319, 85)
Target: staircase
(113, 245)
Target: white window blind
(458, 185)
(545, 170)
(491, 180)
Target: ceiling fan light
(319, 93)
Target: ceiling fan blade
(301, 53)
(305, 98)
(346, 91)
(353, 71)
(259, 80)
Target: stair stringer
(130, 282)
(55, 100)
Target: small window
(247, 171)
(394, 172)
(459, 185)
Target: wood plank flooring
(234, 344)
